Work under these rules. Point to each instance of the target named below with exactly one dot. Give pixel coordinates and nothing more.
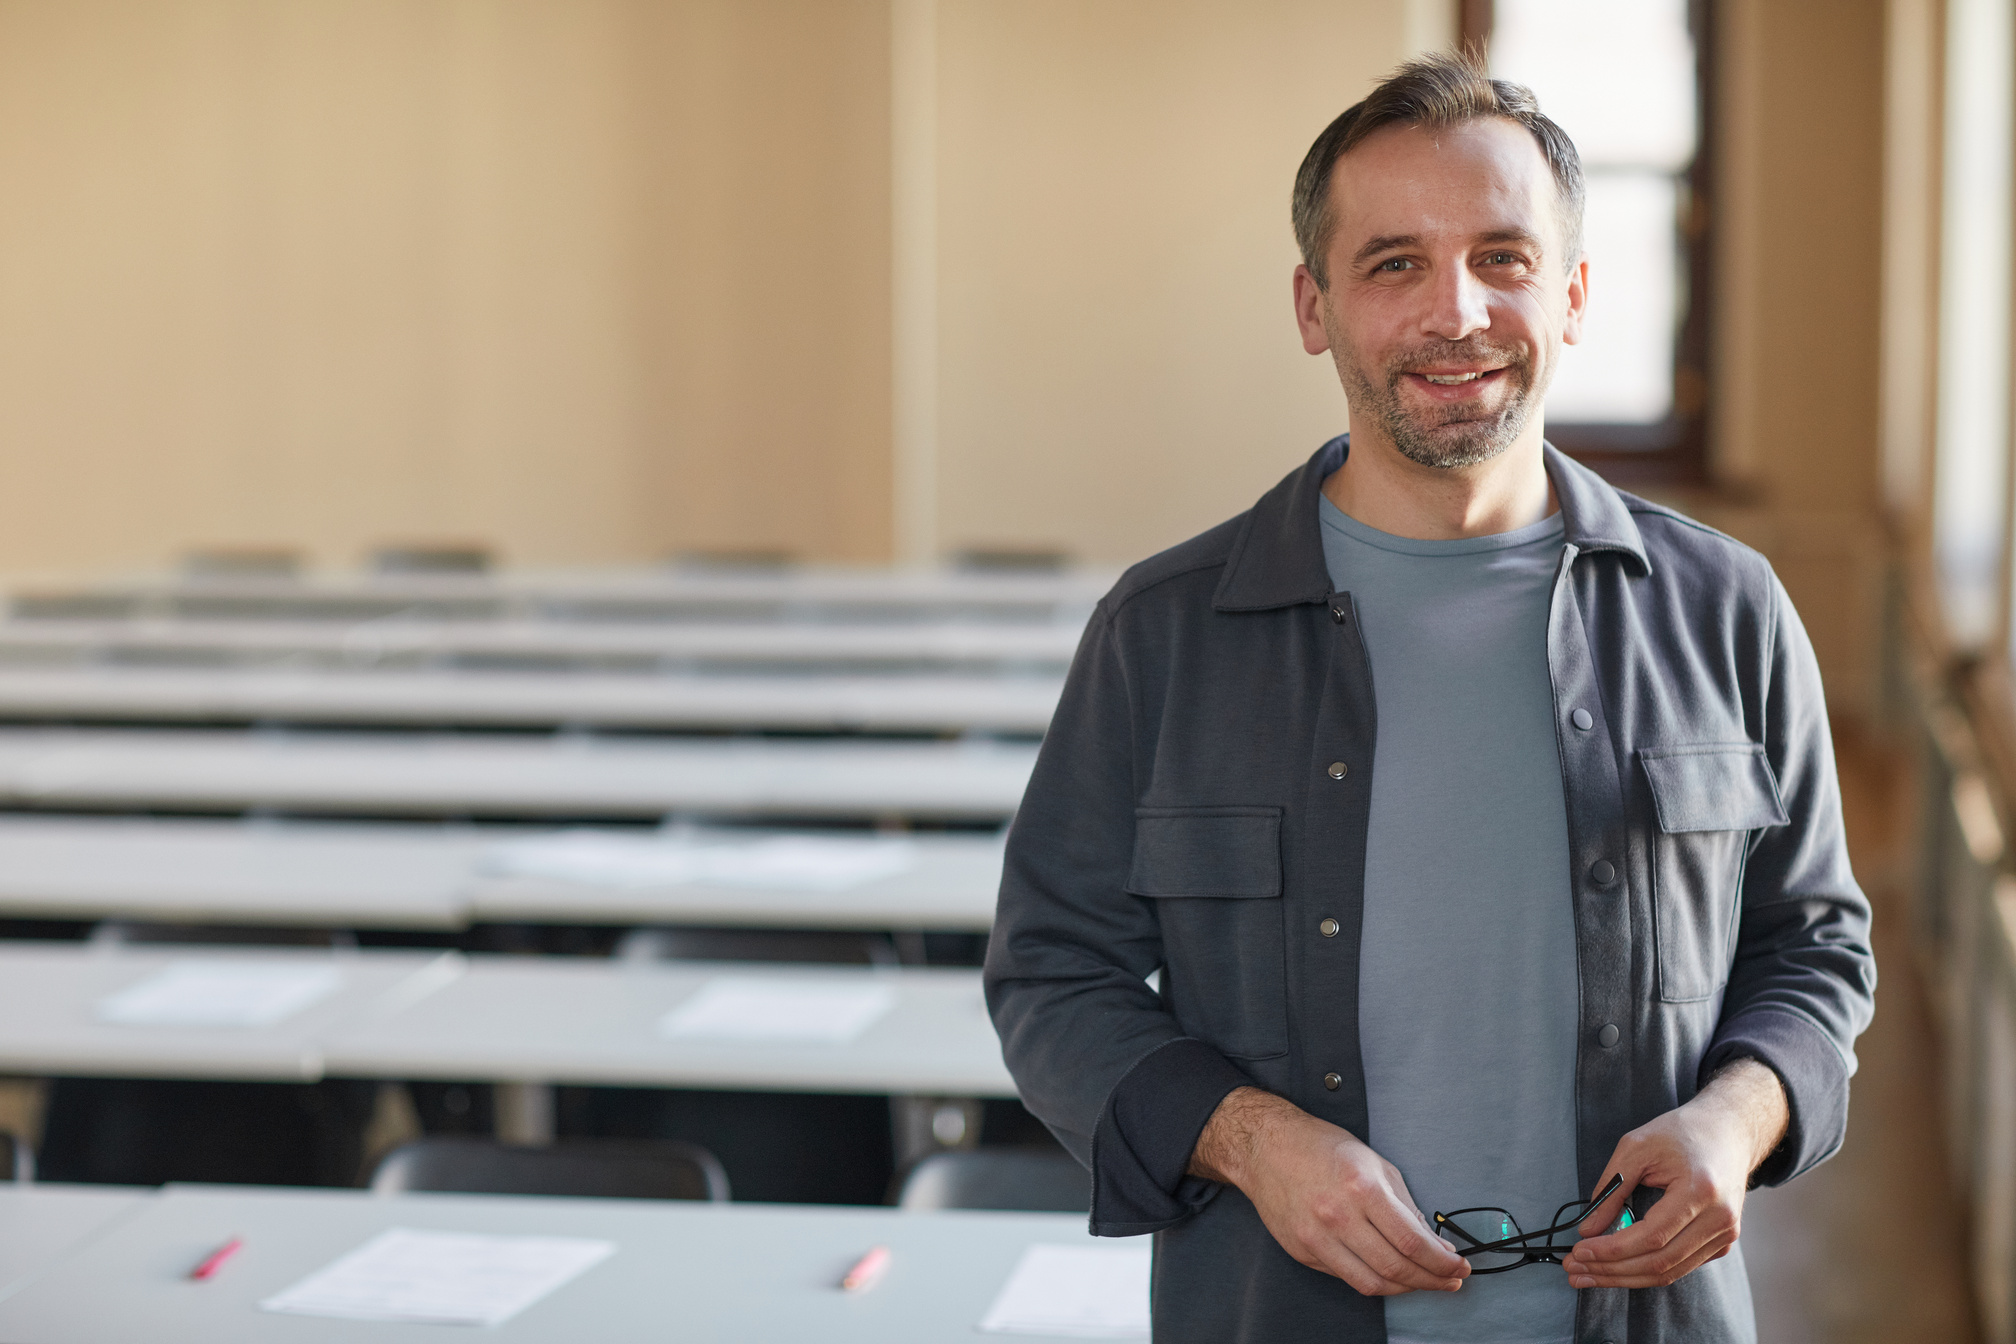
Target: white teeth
(1450, 379)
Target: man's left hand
(1701, 1155)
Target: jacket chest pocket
(1708, 801)
(1214, 874)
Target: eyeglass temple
(1517, 1243)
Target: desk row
(93, 1266)
(406, 875)
(546, 775)
(549, 643)
(519, 698)
(293, 1016)
(836, 596)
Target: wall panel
(586, 279)
(1119, 361)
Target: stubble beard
(1460, 435)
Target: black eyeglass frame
(1547, 1254)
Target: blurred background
(404, 378)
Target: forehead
(1449, 182)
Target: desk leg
(525, 1113)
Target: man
(1479, 820)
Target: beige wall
(595, 280)
(1118, 357)
(1798, 314)
(587, 279)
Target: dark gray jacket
(1200, 806)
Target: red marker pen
(867, 1271)
(215, 1260)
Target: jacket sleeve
(1093, 1051)
(1803, 982)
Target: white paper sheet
(755, 1008)
(220, 994)
(450, 1278)
(1080, 1292)
(787, 862)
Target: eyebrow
(1394, 241)
(1386, 243)
(1519, 236)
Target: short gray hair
(1443, 89)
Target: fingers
(1655, 1271)
(1400, 1246)
(1604, 1215)
(1667, 1219)
(1362, 1258)
(1338, 1260)
(1630, 1160)
(1664, 1256)
(1406, 1229)
(1364, 1236)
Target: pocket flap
(1206, 851)
(1725, 787)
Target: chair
(832, 946)
(585, 1168)
(1030, 1180)
(243, 562)
(432, 558)
(17, 1159)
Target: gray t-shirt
(1467, 990)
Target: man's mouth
(1451, 385)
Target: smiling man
(1480, 821)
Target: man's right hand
(1332, 1203)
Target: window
(1971, 445)
(1627, 82)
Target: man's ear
(1578, 303)
(1309, 312)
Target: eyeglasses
(1491, 1240)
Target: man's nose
(1457, 305)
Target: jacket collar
(1277, 559)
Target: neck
(1383, 488)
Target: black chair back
(583, 1168)
(1030, 1180)
(17, 1159)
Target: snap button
(1333, 1081)
(1608, 1036)
(1328, 928)
(1338, 770)
(1583, 719)
(1337, 615)
(1604, 871)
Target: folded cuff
(1815, 1076)
(1146, 1133)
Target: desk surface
(492, 1019)
(41, 1224)
(344, 875)
(368, 875)
(866, 595)
(551, 643)
(714, 1274)
(573, 1020)
(50, 995)
(889, 703)
(425, 774)
(951, 888)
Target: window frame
(1673, 451)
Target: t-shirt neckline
(1550, 528)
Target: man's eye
(1501, 259)
(1394, 264)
